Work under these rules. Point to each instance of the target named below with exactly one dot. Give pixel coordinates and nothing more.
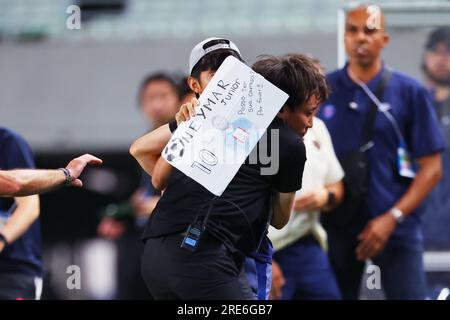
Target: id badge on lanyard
(404, 163)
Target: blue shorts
(258, 269)
(307, 272)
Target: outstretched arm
(19, 183)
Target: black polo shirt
(240, 215)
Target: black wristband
(3, 239)
(331, 199)
(173, 126)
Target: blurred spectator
(20, 235)
(159, 98)
(436, 69)
(402, 134)
(300, 266)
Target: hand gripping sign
(235, 110)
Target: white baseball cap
(209, 45)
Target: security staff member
(405, 123)
(20, 240)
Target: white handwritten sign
(235, 110)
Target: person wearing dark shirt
(239, 217)
(20, 249)
(20, 259)
(403, 161)
(436, 69)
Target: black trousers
(131, 286)
(15, 286)
(401, 267)
(173, 273)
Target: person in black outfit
(239, 217)
(159, 98)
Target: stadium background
(71, 91)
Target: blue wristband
(69, 178)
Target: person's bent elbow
(135, 150)
(279, 223)
(152, 143)
(158, 183)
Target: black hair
(300, 76)
(183, 88)
(213, 59)
(439, 35)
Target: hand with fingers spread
(187, 111)
(77, 165)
